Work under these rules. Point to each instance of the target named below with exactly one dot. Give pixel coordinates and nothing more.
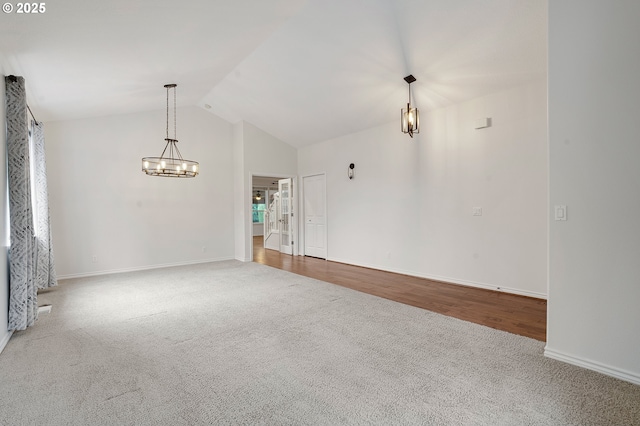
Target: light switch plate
(477, 211)
(560, 212)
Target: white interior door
(286, 215)
(315, 221)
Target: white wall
(594, 128)
(409, 207)
(266, 155)
(371, 219)
(4, 235)
(502, 169)
(262, 155)
(240, 216)
(103, 205)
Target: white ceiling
(303, 71)
(265, 182)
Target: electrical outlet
(94, 258)
(204, 249)
(477, 211)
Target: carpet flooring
(242, 343)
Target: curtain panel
(30, 255)
(45, 274)
(23, 293)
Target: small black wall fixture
(351, 170)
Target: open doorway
(272, 216)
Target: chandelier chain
(167, 113)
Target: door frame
(301, 236)
(248, 240)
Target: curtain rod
(32, 116)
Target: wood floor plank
(525, 316)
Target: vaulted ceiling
(304, 71)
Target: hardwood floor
(521, 315)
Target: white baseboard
(5, 340)
(618, 373)
(510, 290)
(449, 280)
(140, 268)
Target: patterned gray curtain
(23, 293)
(24, 256)
(44, 265)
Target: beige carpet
(242, 343)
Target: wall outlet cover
(560, 212)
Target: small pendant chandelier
(170, 163)
(410, 116)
